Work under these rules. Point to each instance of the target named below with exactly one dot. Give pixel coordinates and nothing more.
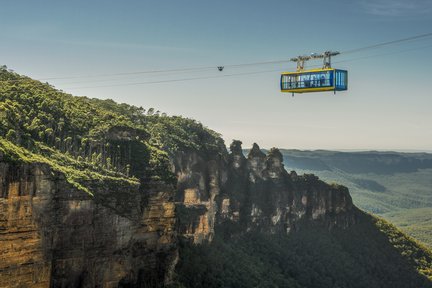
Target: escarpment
(278, 201)
(54, 234)
(254, 193)
(95, 193)
(264, 227)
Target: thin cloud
(393, 8)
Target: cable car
(315, 80)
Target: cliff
(53, 235)
(247, 222)
(254, 193)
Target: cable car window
(308, 80)
(341, 80)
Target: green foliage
(416, 222)
(416, 253)
(360, 256)
(90, 139)
(176, 133)
(79, 174)
(396, 186)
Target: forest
(91, 138)
(363, 255)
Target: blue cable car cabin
(317, 80)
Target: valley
(396, 186)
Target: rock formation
(256, 193)
(53, 234)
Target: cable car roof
(310, 70)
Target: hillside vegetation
(396, 186)
(92, 139)
(370, 254)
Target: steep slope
(87, 188)
(252, 194)
(279, 229)
(54, 235)
(358, 256)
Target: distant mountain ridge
(379, 162)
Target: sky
(70, 44)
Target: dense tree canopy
(371, 253)
(101, 138)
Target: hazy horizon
(343, 150)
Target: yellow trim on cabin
(305, 90)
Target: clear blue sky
(388, 105)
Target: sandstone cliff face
(253, 193)
(200, 180)
(52, 235)
(260, 194)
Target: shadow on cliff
(363, 255)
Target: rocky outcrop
(53, 235)
(261, 194)
(253, 193)
(200, 180)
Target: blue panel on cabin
(341, 80)
(304, 80)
